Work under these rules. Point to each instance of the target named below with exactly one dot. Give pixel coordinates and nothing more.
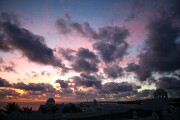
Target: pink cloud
(137, 31)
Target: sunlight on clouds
(149, 87)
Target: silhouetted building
(160, 94)
(50, 101)
(50, 106)
(95, 101)
(160, 101)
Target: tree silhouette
(71, 108)
(27, 110)
(10, 107)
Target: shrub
(72, 108)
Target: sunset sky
(74, 50)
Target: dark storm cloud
(125, 95)
(62, 26)
(110, 52)
(161, 51)
(81, 65)
(171, 84)
(170, 9)
(81, 94)
(63, 84)
(96, 88)
(131, 67)
(86, 80)
(176, 74)
(82, 60)
(66, 92)
(44, 87)
(85, 61)
(114, 39)
(113, 71)
(67, 53)
(77, 27)
(165, 56)
(67, 26)
(113, 87)
(38, 95)
(109, 41)
(4, 83)
(4, 46)
(88, 94)
(175, 9)
(32, 46)
(115, 90)
(10, 17)
(113, 34)
(7, 93)
(111, 44)
(85, 53)
(140, 8)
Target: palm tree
(10, 107)
(27, 110)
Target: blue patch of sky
(93, 11)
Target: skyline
(98, 49)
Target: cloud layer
(100, 70)
(109, 41)
(14, 37)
